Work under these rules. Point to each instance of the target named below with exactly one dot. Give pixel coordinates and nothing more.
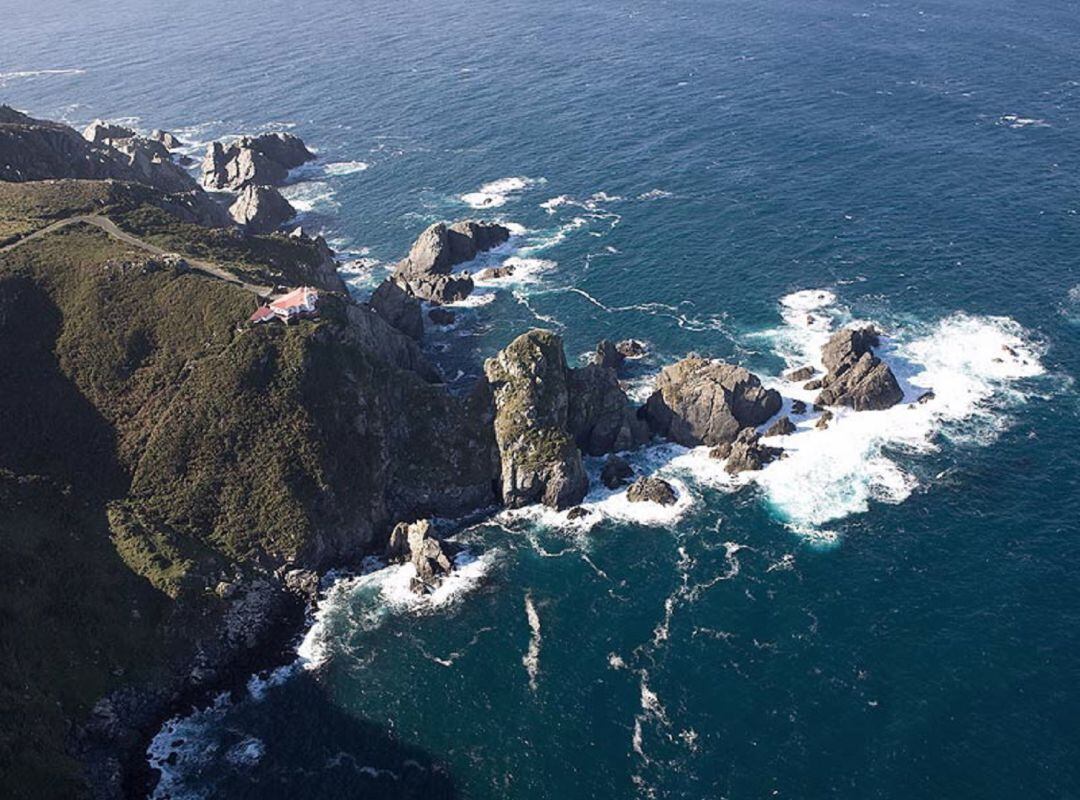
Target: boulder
(653, 490)
(264, 160)
(438, 289)
(607, 355)
(261, 209)
(856, 377)
(441, 316)
(492, 273)
(168, 139)
(798, 407)
(577, 512)
(747, 453)
(782, 427)
(699, 401)
(616, 472)
(824, 420)
(539, 459)
(800, 374)
(399, 309)
(632, 348)
(925, 397)
(599, 416)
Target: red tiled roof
(299, 301)
(262, 314)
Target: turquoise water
(892, 612)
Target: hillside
(156, 448)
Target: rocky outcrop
(798, 407)
(698, 401)
(494, 273)
(800, 374)
(399, 308)
(856, 377)
(746, 453)
(426, 271)
(607, 355)
(539, 458)
(416, 543)
(616, 472)
(264, 160)
(168, 139)
(632, 348)
(650, 489)
(782, 427)
(33, 149)
(261, 209)
(600, 418)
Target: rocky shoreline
(383, 446)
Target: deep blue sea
(891, 612)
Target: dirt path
(110, 227)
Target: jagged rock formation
(529, 385)
(264, 160)
(782, 427)
(607, 355)
(650, 489)
(166, 138)
(698, 401)
(800, 374)
(632, 348)
(856, 377)
(33, 149)
(399, 308)
(426, 271)
(261, 209)
(599, 416)
(416, 543)
(746, 453)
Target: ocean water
(891, 612)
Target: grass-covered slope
(154, 445)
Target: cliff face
(155, 448)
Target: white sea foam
(8, 77)
(311, 196)
(246, 753)
(1017, 121)
(655, 194)
(531, 659)
(970, 362)
(498, 193)
(525, 271)
(345, 168)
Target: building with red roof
(298, 304)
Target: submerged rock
(652, 490)
(616, 472)
(399, 309)
(540, 461)
(632, 348)
(261, 209)
(264, 160)
(856, 377)
(698, 401)
(441, 316)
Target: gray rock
(577, 512)
(399, 309)
(798, 407)
(632, 348)
(800, 374)
(599, 416)
(856, 377)
(261, 209)
(782, 427)
(426, 271)
(925, 397)
(747, 453)
(168, 139)
(824, 420)
(607, 355)
(264, 160)
(616, 472)
(652, 490)
(101, 132)
(492, 273)
(539, 459)
(698, 401)
(416, 542)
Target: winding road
(110, 227)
